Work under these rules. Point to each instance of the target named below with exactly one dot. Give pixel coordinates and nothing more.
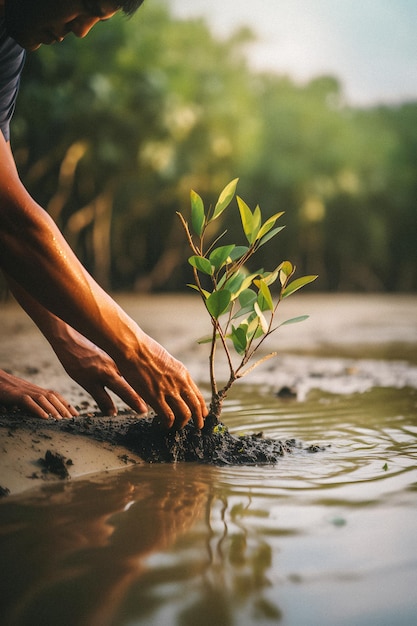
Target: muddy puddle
(321, 539)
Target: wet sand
(349, 345)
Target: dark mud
(55, 463)
(215, 447)
(145, 437)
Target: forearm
(58, 333)
(35, 255)
(89, 366)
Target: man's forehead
(100, 8)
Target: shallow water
(326, 538)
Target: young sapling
(240, 304)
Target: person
(98, 344)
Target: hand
(18, 393)
(165, 384)
(95, 371)
(128, 362)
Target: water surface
(326, 538)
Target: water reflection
(69, 553)
(319, 539)
(98, 552)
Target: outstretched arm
(35, 255)
(87, 364)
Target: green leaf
(295, 320)
(236, 286)
(297, 284)
(247, 298)
(234, 283)
(219, 256)
(207, 339)
(264, 289)
(286, 267)
(218, 302)
(250, 279)
(197, 213)
(246, 218)
(205, 293)
(270, 277)
(256, 222)
(225, 199)
(285, 270)
(262, 321)
(270, 235)
(266, 227)
(201, 264)
(238, 252)
(239, 338)
(220, 429)
(254, 328)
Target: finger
(203, 406)
(201, 413)
(176, 412)
(61, 405)
(198, 408)
(48, 405)
(103, 399)
(129, 395)
(181, 410)
(32, 407)
(198, 421)
(165, 414)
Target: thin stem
(225, 347)
(198, 284)
(189, 236)
(252, 367)
(214, 242)
(212, 358)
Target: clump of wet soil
(55, 463)
(4, 491)
(213, 445)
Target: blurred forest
(111, 133)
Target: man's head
(35, 22)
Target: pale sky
(370, 45)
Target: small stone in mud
(286, 393)
(313, 448)
(125, 458)
(55, 463)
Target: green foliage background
(110, 134)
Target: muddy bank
(35, 450)
(30, 450)
(349, 345)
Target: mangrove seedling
(240, 304)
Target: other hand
(96, 372)
(18, 393)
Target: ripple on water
(367, 437)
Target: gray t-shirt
(12, 60)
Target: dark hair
(129, 6)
